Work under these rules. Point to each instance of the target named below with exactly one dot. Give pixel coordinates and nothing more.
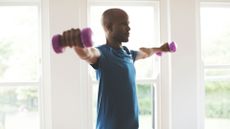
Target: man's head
(116, 25)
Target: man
(117, 106)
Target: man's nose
(129, 28)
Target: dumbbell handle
(172, 48)
(86, 39)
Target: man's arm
(71, 38)
(90, 55)
(147, 52)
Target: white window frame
(23, 3)
(43, 82)
(154, 82)
(213, 3)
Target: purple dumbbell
(172, 48)
(86, 38)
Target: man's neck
(114, 45)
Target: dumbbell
(86, 39)
(172, 48)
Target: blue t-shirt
(117, 106)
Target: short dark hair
(110, 15)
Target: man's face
(120, 28)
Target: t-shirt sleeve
(134, 54)
(96, 65)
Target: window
(215, 37)
(19, 66)
(144, 23)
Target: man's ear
(109, 27)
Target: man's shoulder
(103, 48)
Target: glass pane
(19, 43)
(145, 105)
(144, 33)
(19, 108)
(95, 95)
(215, 35)
(217, 104)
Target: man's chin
(126, 40)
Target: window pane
(215, 35)
(95, 95)
(217, 104)
(19, 108)
(145, 105)
(19, 43)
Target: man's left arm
(147, 52)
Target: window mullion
(217, 66)
(121, 3)
(5, 84)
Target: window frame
(153, 82)
(43, 82)
(221, 4)
(25, 3)
(215, 3)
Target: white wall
(181, 105)
(68, 89)
(186, 64)
(69, 74)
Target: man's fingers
(67, 40)
(72, 38)
(165, 47)
(78, 38)
(64, 39)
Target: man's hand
(147, 52)
(165, 47)
(72, 38)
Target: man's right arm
(71, 38)
(90, 55)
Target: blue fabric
(117, 106)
